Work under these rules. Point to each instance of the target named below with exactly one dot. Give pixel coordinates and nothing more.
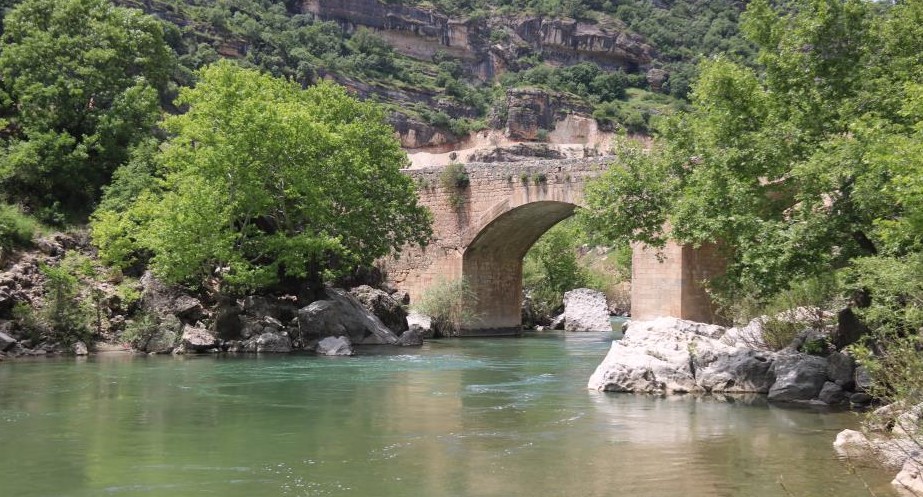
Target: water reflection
(473, 417)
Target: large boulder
(6, 342)
(586, 310)
(197, 340)
(342, 314)
(383, 305)
(669, 355)
(273, 342)
(734, 370)
(411, 338)
(335, 346)
(799, 377)
(841, 369)
(421, 322)
(161, 300)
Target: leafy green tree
(266, 183)
(81, 81)
(766, 160)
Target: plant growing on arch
(264, 183)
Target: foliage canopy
(80, 85)
(264, 182)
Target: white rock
(586, 310)
(80, 348)
(669, 355)
(423, 321)
(910, 479)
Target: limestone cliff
(421, 32)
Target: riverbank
(672, 356)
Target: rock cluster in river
(267, 324)
(891, 438)
(669, 355)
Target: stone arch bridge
(483, 231)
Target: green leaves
(84, 80)
(264, 181)
(792, 165)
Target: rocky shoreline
(669, 355)
(170, 320)
(673, 356)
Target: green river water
(473, 417)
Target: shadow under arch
(492, 263)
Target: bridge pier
(503, 211)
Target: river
(471, 417)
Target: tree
(766, 161)
(266, 183)
(80, 82)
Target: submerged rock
(411, 338)
(335, 346)
(891, 441)
(586, 310)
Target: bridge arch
(483, 231)
(492, 261)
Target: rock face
(197, 339)
(530, 110)
(382, 305)
(421, 32)
(669, 355)
(342, 314)
(586, 310)
(798, 377)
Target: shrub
(453, 179)
(805, 304)
(62, 314)
(16, 228)
(139, 331)
(450, 303)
